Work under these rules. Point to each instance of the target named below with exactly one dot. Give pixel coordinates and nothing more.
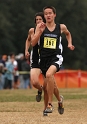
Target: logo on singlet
(50, 42)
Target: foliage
(17, 16)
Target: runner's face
(49, 15)
(38, 19)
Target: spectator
(26, 76)
(3, 61)
(9, 74)
(1, 76)
(20, 59)
(3, 69)
(16, 75)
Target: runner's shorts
(46, 62)
(34, 61)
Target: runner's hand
(41, 26)
(27, 54)
(71, 47)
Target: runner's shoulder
(31, 30)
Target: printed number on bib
(50, 43)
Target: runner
(51, 58)
(34, 58)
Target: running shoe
(45, 113)
(60, 106)
(39, 96)
(49, 108)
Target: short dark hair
(11, 54)
(39, 14)
(50, 7)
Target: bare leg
(50, 82)
(45, 94)
(50, 89)
(49, 95)
(56, 91)
(47, 107)
(34, 76)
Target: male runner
(51, 58)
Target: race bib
(50, 42)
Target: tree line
(17, 16)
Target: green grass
(17, 95)
(23, 95)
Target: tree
(17, 16)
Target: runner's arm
(68, 36)
(28, 43)
(39, 30)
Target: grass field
(20, 107)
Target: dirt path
(31, 113)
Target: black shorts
(34, 65)
(34, 57)
(46, 62)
